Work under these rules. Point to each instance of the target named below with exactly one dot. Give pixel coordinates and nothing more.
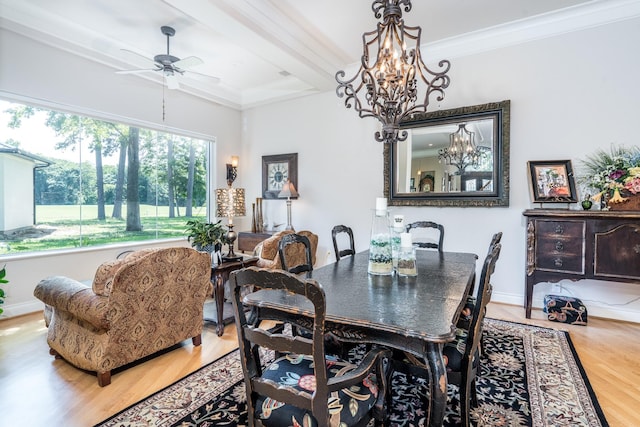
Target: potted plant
(205, 236)
(615, 176)
(3, 274)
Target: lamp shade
(288, 190)
(230, 202)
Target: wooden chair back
(295, 239)
(428, 224)
(495, 240)
(334, 236)
(469, 365)
(251, 337)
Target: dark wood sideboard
(574, 245)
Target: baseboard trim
(14, 310)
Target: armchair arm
(103, 279)
(63, 293)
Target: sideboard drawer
(560, 246)
(560, 229)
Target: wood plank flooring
(36, 389)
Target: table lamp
(230, 203)
(288, 191)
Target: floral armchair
(267, 250)
(136, 306)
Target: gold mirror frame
(499, 113)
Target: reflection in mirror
(453, 157)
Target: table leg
(218, 296)
(437, 384)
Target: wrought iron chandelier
(462, 150)
(389, 78)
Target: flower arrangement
(614, 175)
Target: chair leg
(474, 394)
(104, 378)
(197, 340)
(464, 405)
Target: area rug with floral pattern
(530, 376)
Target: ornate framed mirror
(456, 157)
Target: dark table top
(424, 307)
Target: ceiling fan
(170, 66)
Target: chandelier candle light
(389, 80)
(462, 150)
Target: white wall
(570, 95)
(16, 192)
(67, 82)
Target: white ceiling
(261, 50)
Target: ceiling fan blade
(137, 56)
(172, 82)
(143, 70)
(189, 61)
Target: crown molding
(571, 19)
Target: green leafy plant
(205, 235)
(3, 274)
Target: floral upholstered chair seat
(454, 351)
(347, 406)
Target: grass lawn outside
(73, 226)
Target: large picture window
(70, 181)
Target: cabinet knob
(559, 229)
(559, 246)
(557, 262)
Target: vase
(631, 204)
(259, 227)
(380, 252)
(253, 218)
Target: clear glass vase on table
(380, 248)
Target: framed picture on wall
(276, 170)
(552, 181)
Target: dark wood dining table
(415, 314)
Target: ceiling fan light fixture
(168, 65)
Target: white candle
(398, 222)
(381, 204)
(405, 240)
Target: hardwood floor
(36, 389)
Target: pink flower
(633, 185)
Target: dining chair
(304, 386)
(335, 232)
(296, 239)
(462, 355)
(428, 224)
(495, 240)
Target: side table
(219, 275)
(247, 241)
